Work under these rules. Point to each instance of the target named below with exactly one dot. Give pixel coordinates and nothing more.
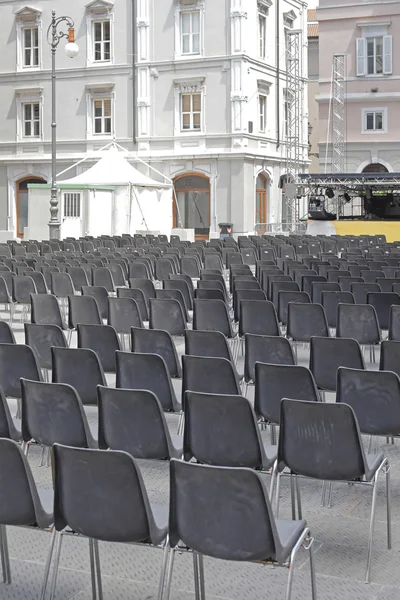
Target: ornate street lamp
(54, 35)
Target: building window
(72, 204)
(102, 41)
(31, 46)
(102, 116)
(262, 110)
(191, 112)
(31, 119)
(262, 34)
(374, 120)
(192, 203)
(190, 32)
(375, 56)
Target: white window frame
(102, 92)
(192, 33)
(28, 96)
(32, 121)
(187, 6)
(374, 39)
(72, 203)
(191, 112)
(32, 48)
(373, 109)
(28, 18)
(99, 10)
(262, 113)
(262, 35)
(193, 85)
(374, 30)
(102, 42)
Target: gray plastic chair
(265, 349)
(133, 421)
(361, 290)
(285, 297)
(358, 321)
(16, 361)
(41, 338)
(22, 503)
(45, 310)
(102, 278)
(147, 372)
(39, 281)
(209, 344)
(61, 285)
(102, 339)
(174, 295)
(101, 495)
(139, 270)
(100, 294)
(251, 534)
(22, 288)
(53, 413)
(390, 356)
(258, 317)
(322, 441)
(10, 427)
(330, 302)
(124, 313)
(382, 302)
(182, 286)
(328, 354)
(208, 375)
(212, 315)
(83, 309)
(157, 341)
(222, 430)
(79, 368)
(394, 323)
(244, 294)
(139, 297)
(305, 321)
(375, 398)
(78, 276)
(6, 333)
(167, 314)
(190, 266)
(370, 276)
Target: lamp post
(54, 35)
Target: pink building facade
(368, 33)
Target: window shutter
(387, 54)
(361, 47)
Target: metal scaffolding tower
(339, 113)
(293, 121)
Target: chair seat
(271, 453)
(373, 461)
(289, 533)
(161, 516)
(177, 441)
(46, 497)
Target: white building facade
(195, 88)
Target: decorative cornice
(264, 6)
(236, 97)
(28, 13)
(235, 12)
(99, 6)
(143, 23)
(189, 85)
(289, 18)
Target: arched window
(375, 168)
(22, 202)
(192, 206)
(261, 202)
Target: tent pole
(140, 208)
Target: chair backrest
(53, 412)
(119, 272)
(207, 343)
(258, 317)
(39, 281)
(371, 275)
(22, 288)
(61, 285)
(83, 309)
(100, 294)
(211, 315)
(208, 375)
(244, 294)
(390, 356)
(174, 295)
(78, 276)
(16, 361)
(146, 372)
(102, 277)
(382, 302)
(265, 349)
(156, 341)
(328, 354)
(41, 338)
(374, 397)
(286, 297)
(103, 340)
(167, 314)
(80, 368)
(139, 297)
(321, 286)
(222, 430)
(280, 286)
(6, 333)
(182, 286)
(307, 282)
(274, 382)
(331, 301)
(320, 440)
(346, 282)
(386, 283)
(138, 269)
(190, 266)
(361, 290)
(45, 310)
(20, 504)
(358, 321)
(197, 493)
(100, 493)
(133, 421)
(394, 322)
(124, 313)
(306, 321)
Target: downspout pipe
(134, 88)
(278, 82)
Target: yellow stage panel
(391, 229)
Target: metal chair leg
(372, 521)
(312, 567)
(163, 569)
(388, 506)
(196, 576)
(201, 577)
(278, 486)
(56, 563)
(47, 566)
(293, 496)
(169, 574)
(5, 557)
(92, 569)
(299, 509)
(98, 569)
(291, 567)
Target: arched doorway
(375, 168)
(22, 202)
(261, 203)
(192, 206)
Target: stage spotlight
(346, 197)
(329, 193)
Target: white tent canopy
(137, 203)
